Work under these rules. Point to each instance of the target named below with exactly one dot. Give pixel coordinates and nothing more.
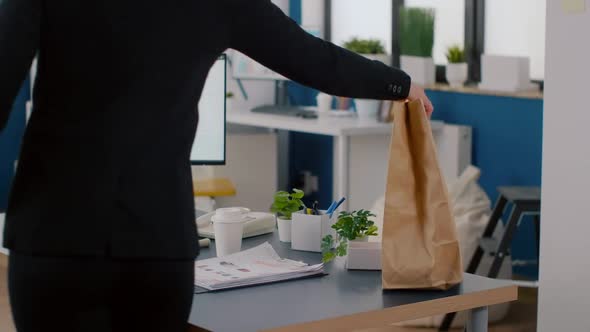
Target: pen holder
(307, 231)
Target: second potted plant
(457, 67)
(416, 31)
(284, 205)
(371, 49)
(351, 226)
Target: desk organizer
(363, 255)
(307, 231)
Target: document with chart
(259, 265)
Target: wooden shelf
(533, 94)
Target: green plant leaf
(297, 194)
(327, 243)
(455, 54)
(342, 248)
(365, 46)
(328, 257)
(416, 31)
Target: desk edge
(389, 316)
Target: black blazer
(104, 167)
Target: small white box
(422, 70)
(505, 73)
(363, 255)
(307, 231)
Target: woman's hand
(416, 92)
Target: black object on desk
(341, 293)
(286, 111)
(525, 200)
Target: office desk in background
(356, 145)
(343, 301)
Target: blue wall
(10, 139)
(507, 147)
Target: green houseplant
(284, 205)
(416, 40)
(457, 67)
(372, 49)
(351, 226)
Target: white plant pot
(420, 69)
(386, 59)
(367, 109)
(456, 74)
(363, 255)
(284, 229)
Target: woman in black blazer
(100, 220)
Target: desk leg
(341, 167)
(478, 320)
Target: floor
(522, 316)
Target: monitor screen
(209, 145)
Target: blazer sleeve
(263, 32)
(19, 41)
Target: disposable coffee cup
(228, 225)
(324, 102)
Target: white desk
(342, 129)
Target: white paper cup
(367, 109)
(228, 225)
(324, 102)
(228, 237)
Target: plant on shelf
(372, 49)
(229, 95)
(456, 68)
(416, 40)
(284, 205)
(416, 31)
(351, 226)
(365, 46)
(455, 54)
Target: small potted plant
(416, 32)
(457, 67)
(229, 98)
(284, 205)
(353, 226)
(371, 49)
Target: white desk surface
(331, 126)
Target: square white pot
(505, 73)
(363, 255)
(307, 231)
(420, 69)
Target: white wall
(363, 19)
(565, 226)
(507, 33)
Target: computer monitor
(209, 144)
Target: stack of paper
(254, 266)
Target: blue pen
(337, 205)
(329, 210)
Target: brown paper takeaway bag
(420, 247)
